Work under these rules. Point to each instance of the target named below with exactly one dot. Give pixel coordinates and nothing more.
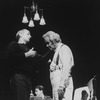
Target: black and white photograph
(49, 49)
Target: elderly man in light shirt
(60, 67)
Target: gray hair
(53, 36)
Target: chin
(27, 42)
(50, 48)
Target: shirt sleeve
(66, 60)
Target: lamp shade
(24, 20)
(42, 21)
(36, 16)
(31, 23)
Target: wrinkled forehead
(47, 39)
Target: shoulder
(13, 43)
(13, 46)
(65, 48)
(48, 98)
(36, 98)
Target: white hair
(53, 36)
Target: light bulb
(36, 16)
(24, 20)
(31, 23)
(42, 21)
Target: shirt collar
(59, 45)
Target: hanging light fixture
(36, 15)
(42, 21)
(25, 20)
(31, 23)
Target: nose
(47, 45)
(30, 36)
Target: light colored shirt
(65, 61)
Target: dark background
(78, 23)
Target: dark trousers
(21, 87)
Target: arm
(66, 58)
(17, 53)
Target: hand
(31, 53)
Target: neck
(42, 96)
(21, 41)
(57, 44)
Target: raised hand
(31, 53)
